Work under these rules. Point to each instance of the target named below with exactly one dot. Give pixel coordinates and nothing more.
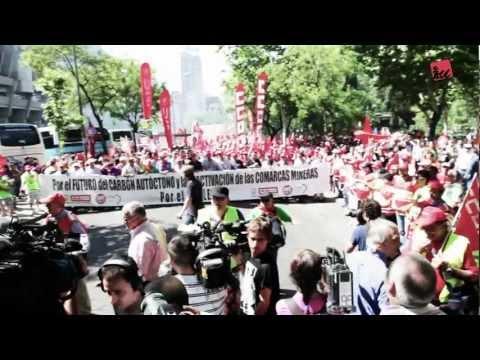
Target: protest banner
(159, 189)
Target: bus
(117, 134)
(20, 140)
(74, 141)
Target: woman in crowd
(306, 273)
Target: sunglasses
(216, 198)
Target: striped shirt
(211, 301)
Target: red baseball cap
(56, 198)
(431, 215)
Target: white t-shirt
(128, 170)
(400, 310)
(211, 301)
(94, 171)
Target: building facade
(19, 102)
(192, 83)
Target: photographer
(369, 267)
(183, 255)
(120, 280)
(306, 273)
(259, 283)
(71, 227)
(267, 207)
(165, 296)
(410, 285)
(220, 211)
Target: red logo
(287, 190)
(441, 70)
(100, 199)
(81, 198)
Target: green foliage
(107, 84)
(405, 71)
(311, 88)
(60, 107)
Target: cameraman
(369, 267)
(120, 280)
(259, 283)
(183, 255)
(220, 211)
(165, 296)
(71, 227)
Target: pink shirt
(147, 249)
(316, 304)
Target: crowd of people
(404, 256)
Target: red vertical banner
(164, 102)
(260, 99)
(146, 90)
(467, 223)
(367, 125)
(240, 110)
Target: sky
(165, 63)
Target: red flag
(260, 102)
(367, 125)
(3, 160)
(146, 87)
(240, 111)
(468, 218)
(164, 102)
(441, 70)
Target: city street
(316, 225)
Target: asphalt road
(316, 225)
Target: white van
(19, 140)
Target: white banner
(158, 189)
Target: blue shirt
(369, 273)
(359, 237)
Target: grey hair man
(148, 245)
(383, 238)
(410, 286)
(370, 267)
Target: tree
(127, 104)
(311, 88)
(98, 74)
(247, 61)
(405, 71)
(60, 107)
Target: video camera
(340, 282)
(214, 260)
(37, 272)
(279, 233)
